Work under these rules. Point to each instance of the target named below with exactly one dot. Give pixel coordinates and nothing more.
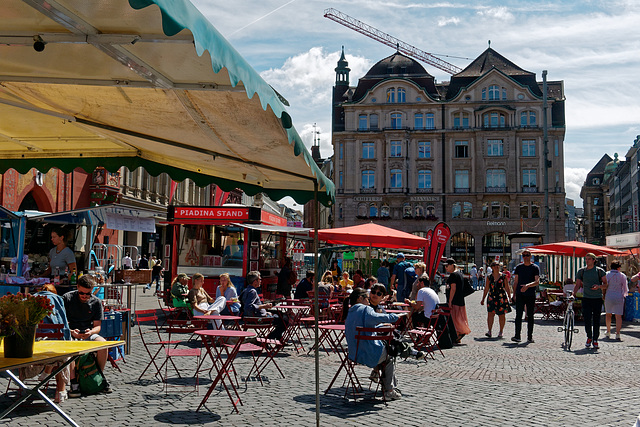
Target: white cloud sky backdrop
(593, 46)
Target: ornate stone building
(409, 152)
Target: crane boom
(389, 40)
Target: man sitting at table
(85, 315)
(426, 301)
(253, 306)
(305, 285)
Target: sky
(593, 46)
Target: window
(461, 149)
(368, 150)
(596, 181)
(373, 122)
(496, 178)
(362, 210)
(524, 210)
(418, 122)
(494, 120)
(406, 210)
(456, 210)
(341, 151)
(362, 122)
(467, 210)
(495, 147)
(396, 178)
(528, 148)
(340, 211)
(557, 179)
(368, 179)
(462, 179)
(373, 210)
(384, 211)
(429, 122)
(504, 93)
(424, 149)
(506, 213)
(595, 201)
(424, 179)
(391, 95)
(402, 95)
(528, 118)
(485, 210)
(535, 210)
(529, 178)
(340, 180)
(461, 120)
(556, 148)
(396, 148)
(396, 121)
(495, 210)
(494, 93)
(419, 211)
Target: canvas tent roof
(143, 83)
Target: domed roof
(611, 167)
(397, 64)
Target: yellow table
(45, 352)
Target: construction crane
(389, 40)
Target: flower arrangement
(21, 312)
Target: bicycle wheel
(569, 331)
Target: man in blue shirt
(253, 306)
(398, 273)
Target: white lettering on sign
(211, 213)
(497, 223)
(425, 199)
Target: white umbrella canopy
(143, 83)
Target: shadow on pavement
(336, 405)
(186, 417)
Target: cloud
(500, 13)
(446, 21)
(573, 182)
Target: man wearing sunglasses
(525, 281)
(85, 315)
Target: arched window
(396, 178)
(396, 120)
(362, 210)
(368, 179)
(506, 213)
(494, 93)
(467, 210)
(402, 95)
(373, 210)
(494, 119)
(424, 179)
(384, 211)
(456, 210)
(391, 94)
(406, 210)
(419, 211)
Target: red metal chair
(175, 327)
(152, 338)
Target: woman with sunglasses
(497, 295)
(377, 297)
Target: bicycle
(568, 322)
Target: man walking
(398, 273)
(525, 282)
(592, 280)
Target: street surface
(484, 382)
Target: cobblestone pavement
(485, 382)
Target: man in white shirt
(127, 262)
(474, 276)
(426, 301)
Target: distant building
(409, 152)
(593, 202)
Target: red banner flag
(441, 234)
(427, 249)
(172, 190)
(219, 197)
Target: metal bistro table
(45, 352)
(235, 319)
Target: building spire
(342, 71)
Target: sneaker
(595, 345)
(516, 339)
(618, 337)
(488, 334)
(530, 340)
(61, 396)
(607, 335)
(392, 395)
(75, 391)
(375, 376)
(588, 343)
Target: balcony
(495, 189)
(425, 190)
(367, 190)
(526, 189)
(461, 190)
(396, 190)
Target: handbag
(467, 289)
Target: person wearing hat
(526, 278)
(180, 290)
(398, 273)
(592, 280)
(455, 299)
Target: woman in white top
(617, 289)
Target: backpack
(90, 378)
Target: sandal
(61, 396)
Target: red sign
(212, 214)
(441, 234)
(273, 219)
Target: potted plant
(20, 314)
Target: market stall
(228, 239)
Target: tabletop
(292, 307)
(217, 317)
(397, 311)
(225, 333)
(51, 350)
(334, 327)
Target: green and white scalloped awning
(143, 83)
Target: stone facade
(410, 152)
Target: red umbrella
(373, 235)
(573, 248)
